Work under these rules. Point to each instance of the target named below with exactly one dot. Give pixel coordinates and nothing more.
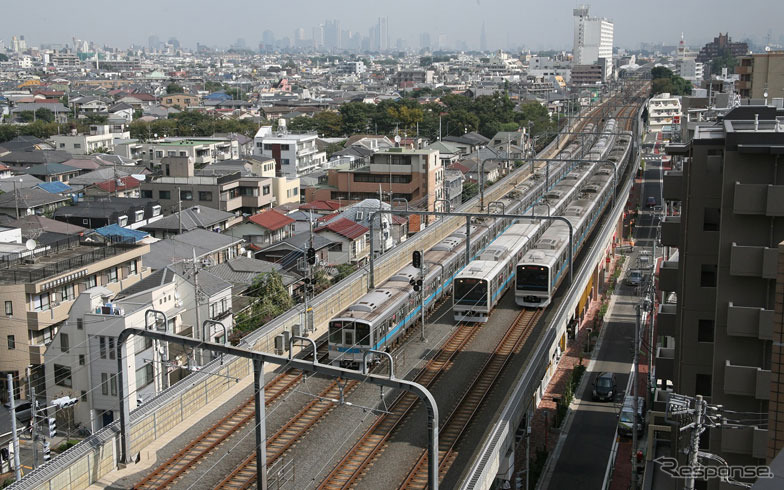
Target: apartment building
(593, 40)
(416, 176)
(761, 73)
(716, 339)
(39, 287)
(294, 154)
(663, 110)
(100, 138)
(182, 186)
(202, 151)
(82, 363)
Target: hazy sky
(533, 24)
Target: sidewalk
(544, 436)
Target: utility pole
(12, 398)
(200, 361)
(16, 199)
(699, 408)
(179, 210)
(635, 402)
(310, 261)
(34, 435)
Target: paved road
(583, 459)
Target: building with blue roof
(125, 234)
(55, 187)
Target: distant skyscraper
(174, 42)
(153, 43)
(332, 34)
(424, 41)
(593, 39)
(268, 40)
(382, 32)
(483, 39)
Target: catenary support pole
(261, 426)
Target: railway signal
(416, 259)
(312, 256)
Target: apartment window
(259, 145)
(112, 350)
(9, 308)
(41, 302)
(105, 384)
(265, 190)
(164, 195)
(81, 359)
(80, 323)
(710, 219)
(267, 146)
(62, 145)
(62, 375)
(186, 195)
(139, 215)
(11, 342)
(295, 191)
(183, 154)
(64, 343)
(84, 396)
(358, 216)
(205, 196)
(704, 330)
(122, 220)
(146, 193)
(102, 346)
(92, 281)
(77, 146)
(159, 154)
(113, 385)
(702, 384)
(133, 267)
(113, 274)
(708, 276)
(67, 292)
(284, 161)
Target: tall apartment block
(716, 340)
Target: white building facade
(661, 110)
(593, 40)
(294, 154)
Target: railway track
(188, 457)
(450, 432)
(362, 454)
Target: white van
(625, 420)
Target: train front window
(470, 291)
(532, 277)
(335, 332)
(363, 333)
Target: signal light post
(419, 285)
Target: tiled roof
(271, 220)
(112, 185)
(344, 227)
(321, 206)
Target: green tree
(333, 148)
(661, 72)
(173, 88)
(328, 124)
(236, 93)
(211, 86)
(92, 118)
(272, 299)
(470, 189)
(357, 117)
(3, 58)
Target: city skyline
(459, 26)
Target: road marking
(602, 407)
(611, 367)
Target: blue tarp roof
(218, 96)
(117, 230)
(55, 187)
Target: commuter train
(379, 318)
(480, 286)
(543, 267)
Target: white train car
(480, 286)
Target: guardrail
(485, 466)
(97, 455)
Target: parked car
(650, 202)
(626, 417)
(604, 387)
(22, 409)
(634, 278)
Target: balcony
(56, 312)
(668, 276)
(751, 441)
(746, 381)
(666, 318)
(743, 321)
(671, 231)
(672, 185)
(753, 261)
(743, 70)
(37, 353)
(665, 363)
(759, 199)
